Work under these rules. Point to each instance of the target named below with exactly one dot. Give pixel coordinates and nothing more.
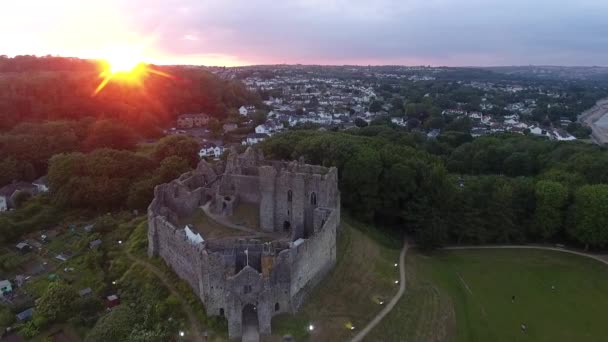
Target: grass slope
(364, 274)
(466, 296)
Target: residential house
(94, 244)
(254, 138)
(433, 134)
(246, 110)
(562, 135)
(85, 292)
(9, 192)
(25, 315)
(211, 150)
(5, 287)
(262, 129)
(539, 131)
(112, 301)
(229, 127)
(41, 185)
(23, 247)
(399, 121)
(192, 120)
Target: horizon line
(328, 64)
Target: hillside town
(425, 99)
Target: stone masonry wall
(280, 275)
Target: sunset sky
(230, 32)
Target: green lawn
(466, 296)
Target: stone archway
(250, 323)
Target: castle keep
(252, 237)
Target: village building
(192, 120)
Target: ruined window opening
(176, 193)
(286, 225)
(276, 307)
(313, 198)
(247, 289)
(289, 196)
(222, 312)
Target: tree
(215, 127)
(171, 168)
(142, 192)
(463, 125)
(181, 146)
(375, 106)
(259, 117)
(114, 326)
(55, 305)
(6, 317)
(590, 226)
(8, 170)
(359, 122)
(551, 198)
(109, 134)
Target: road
(592, 118)
(378, 318)
(195, 327)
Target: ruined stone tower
(267, 234)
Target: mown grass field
(467, 296)
(363, 276)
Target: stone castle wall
(277, 276)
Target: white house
(254, 138)
(41, 185)
(243, 111)
(539, 132)
(399, 121)
(211, 150)
(561, 135)
(262, 129)
(3, 204)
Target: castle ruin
(252, 237)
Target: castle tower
(268, 176)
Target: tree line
(496, 189)
(53, 88)
(26, 149)
(118, 179)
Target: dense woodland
(52, 88)
(495, 189)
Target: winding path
(378, 318)
(195, 327)
(374, 322)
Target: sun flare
(126, 66)
(122, 65)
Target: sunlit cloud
(229, 32)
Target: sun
(125, 65)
